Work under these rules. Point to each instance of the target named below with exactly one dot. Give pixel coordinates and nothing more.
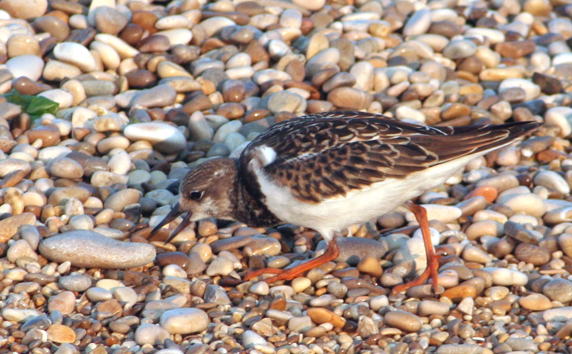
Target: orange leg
(432, 270)
(288, 274)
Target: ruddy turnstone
(328, 171)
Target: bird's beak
(173, 214)
(186, 221)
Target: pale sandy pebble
(460, 49)
(94, 5)
(532, 90)
(78, 21)
(300, 284)
(403, 320)
(434, 41)
(215, 24)
(494, 36)
(561, 314)
(173, 22)
(220, 266)
(10, 165)
(177, 36)
(429, 307)
(251, 338)
(123, 49)
(167, 69)
(323, 58)
(418, 23)
(75, 282)
(109, 123)
(19, 315)
(562, 58)
(56, 70)
(379, 302)
(20, 248)
(108, 55)
(239, 60)
(30, 66)
(404, 112)
(462, 349)
(508, 156)
(467, 306)
(66, 168)
(88, 249)
(242, 72)
(181, 83)
(152, 334)
(76, 54)
(475, 254)
(125, 294)
(224, 130)
(552, 180)
(262, 76)
(561, 117)
(63, 302)
(120, 163)
(184, 321)
(310, 5)
(530, 204)
(507, 277)
(63, 97)
(164, 137)
(158, 96)
(260, 288)
(49, 153)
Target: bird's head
(205, 192)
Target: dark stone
(549, 84)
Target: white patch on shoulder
(266, 155)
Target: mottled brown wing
(327, 155)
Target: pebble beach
(107, 104)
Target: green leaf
(34, 106)
(41, 105)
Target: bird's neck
(250, 208)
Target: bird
(328, 171)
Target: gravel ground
(146, 91)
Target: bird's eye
(196, 195)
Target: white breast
(357, 207)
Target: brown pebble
(532, 254)
(459, 292)
(61, 334)
(321, 315)
(403, 320)
(178, 258)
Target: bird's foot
(288, 274)
(432, 272)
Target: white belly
(359, 206)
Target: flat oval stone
(403, 320)
(184, 321)
(149, 333)
(77, 283)
(158, 96)
(535, 302)
(506, 277)
(558, 290)
(30, 66)
(561, 314)
(76, 54)
(92, 250)
(9, 226)
(164, 137)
